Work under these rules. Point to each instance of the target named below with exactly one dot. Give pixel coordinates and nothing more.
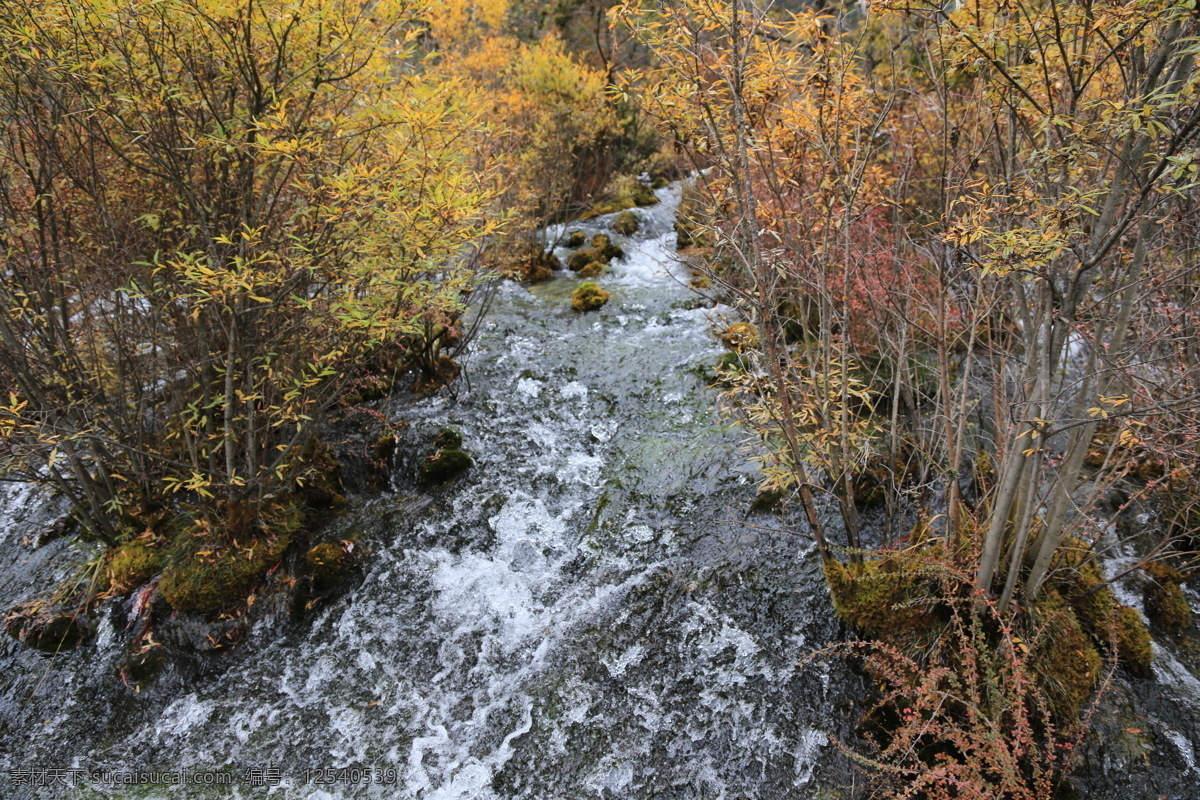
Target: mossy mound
(766, 500)
(1064, 660)
(1100, 615)
(900, 601)
(48, 632)
(700, 282)
(143, 666)
(729, 369)
(602, 251)
(208, 571)
(532, 267)
(793, 319)
(537, 272)
(889, 598)
(740, 336)
(593, 270)
(575, 240)
(448, 439)
(441, 371)
(644, 196)
(1165, 604)
(131, 565)
(626, 223)
(588, 297)
(328, 563)
(1133, 641)
(578, 261)
(445, 465)
(602, 243)
(690, 233)
(624, 193)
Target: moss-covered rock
(729, 368)
(538, 272)
(1097, 610)
(328, 563)
(448, 439)
(143, 666)
(577, 261)
(575, 240)
(602, 243)
(445, 465)
(593, 270)
(890, 595)
(793, 319)
(131, 565)
(588, 297)
(208, 571)
(626, 223)
(1165, 604)
(50, 631)
(624, 192)
(1064, 660)
(1133, 641)
(440, 371)
(766, 500)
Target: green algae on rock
(588, 297)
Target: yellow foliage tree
(210, 211)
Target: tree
(210, 211)
(960, 233)
(551, 118)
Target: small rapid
(586, 613)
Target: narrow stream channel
(591, 612)
(584, 614)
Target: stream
(592, 611)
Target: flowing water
(585, 614)
(592, 611)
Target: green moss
(1133, 641)
(602, 244)
(624, 193)
(141, 667)
(328, 563)
(1165, 604)
(887, 598)
(792, 318)
(1064, 660)
(575, 239)
(537, 273)
(593, 270)
(448, 439)
(1098, 612)
(47, 632)
(626, 223)
(445, 465)
(588, 297)
(583, 258)
(441, 371)
(729, 367)
(208, 572)
(536, 268)
(131, 565)
(644, 196)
